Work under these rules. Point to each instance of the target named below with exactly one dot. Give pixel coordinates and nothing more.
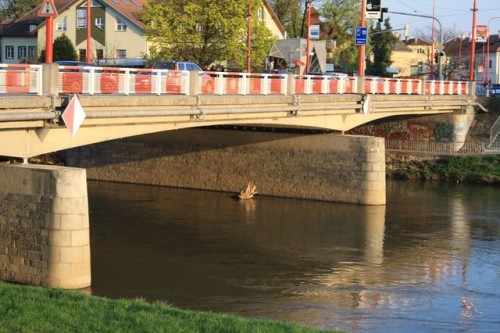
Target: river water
(428, 261)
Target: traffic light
(382, 11)
(436, 57)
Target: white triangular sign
(367, 105)
(48, 9)
(73, 115)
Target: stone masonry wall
(326, 167)
(44, 226)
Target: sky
(455, 14)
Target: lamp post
(473, 43)
(308, 47)
(488, 48)
(441, 37)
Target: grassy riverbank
(33, 309)
(457, 169)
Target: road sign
(373, 9)
(48, 9)
(361, 35)
(73, 115)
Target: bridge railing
(27, 79)
(21, 79)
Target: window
(62, 24)
(32, 27)
(199, 27)
(82, 54)
(99, 54)
(9, 52)
(121, 25)
(32, 52)
(121, 54)
(81, 18)
(260, 13)
(99, 22)
(21, 52)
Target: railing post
(421, 87)
(290, 84)
(361, 85)
(472, 88)
(194, 83)
(50, 77)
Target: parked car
(177, 65)
(73, 77)
(494, 90)
(174, 76)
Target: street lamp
(441, 38)
(488, 49)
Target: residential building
(116, 32)
(410, 58)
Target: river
(428, 261)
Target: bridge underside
(25, 133)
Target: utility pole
(361, 60)
(249, 35)
(473, 43)
(308, 47)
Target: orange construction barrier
(17, 80)
(110, 80)
(255, 85)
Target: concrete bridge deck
(32, 125)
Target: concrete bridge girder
(114, 117)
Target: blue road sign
(361, 35)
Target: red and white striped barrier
(20, 79)
(110, 80)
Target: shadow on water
(323, 264)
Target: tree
(290, 15)
(382, 42)
(14, 9)
(341, 19)
(205, 31)
(63, 50)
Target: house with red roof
(116, 31)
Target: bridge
(123, 102)
(44, 217)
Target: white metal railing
(495, 134)
(435, 147)
(21, 79)
(27, 79)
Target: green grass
(33, 309)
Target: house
(410, 58)
(116, 32)
(486, 59)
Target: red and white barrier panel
(20, 79)
(232, 83)
(446, 87)
(110, 80)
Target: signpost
(361, 35)
(48, 10)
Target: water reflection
(419, 262)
